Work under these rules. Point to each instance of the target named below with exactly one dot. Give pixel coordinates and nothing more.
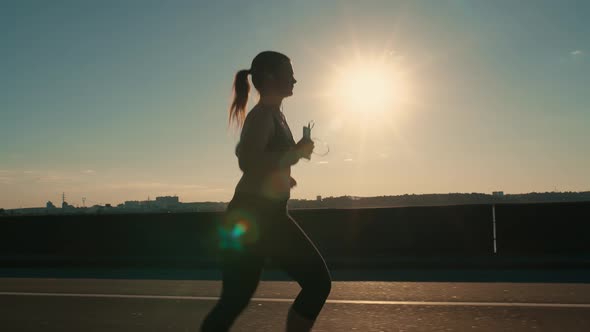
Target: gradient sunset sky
(121, 100)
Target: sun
(367, 87)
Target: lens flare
(237, 229)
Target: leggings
(267, 232)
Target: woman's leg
(296, 254)
(241, 274)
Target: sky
(125, 100)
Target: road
(116, 304)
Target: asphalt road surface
(115, 304)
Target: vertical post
(494, 227)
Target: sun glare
(366, 87)
(375, 90)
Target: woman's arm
(252, 157)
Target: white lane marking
(263, 299)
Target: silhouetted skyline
(175, 203)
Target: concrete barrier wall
(192, 239)
(441, 230)
(140, 238)
(543, 229)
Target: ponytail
(237, 110)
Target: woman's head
(272, 75)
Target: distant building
(167, 201)
(318, 198)
(29, 211)
(50, 205)
(132, 204)
(498, 194)
(66, 206)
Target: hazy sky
(121, 100)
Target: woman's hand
(304, 148)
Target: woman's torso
(276, 183)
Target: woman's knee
(322, 284)
(325, 286)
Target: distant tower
(318, 198)
(64, 204)
(84, 201)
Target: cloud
(89, 171)
(155, 186)
(322, 162)
(40, 176)
(577, 52)
(52, 178)
(216, 190)
(5, 179)
(348, 156)
(395, 55)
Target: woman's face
(283, 81)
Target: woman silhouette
(257, 225)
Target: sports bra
(282, 138)
(277, 183)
